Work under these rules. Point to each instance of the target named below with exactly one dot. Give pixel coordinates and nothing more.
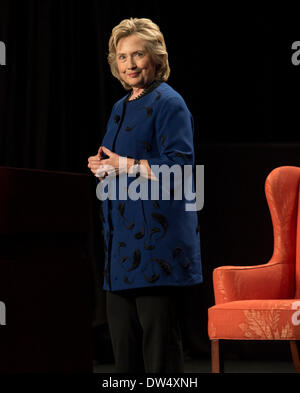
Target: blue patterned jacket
(151, 242)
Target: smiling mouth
(134, 74)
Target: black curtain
(57, 91)
(232, 66)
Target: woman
(152, 245)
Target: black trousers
(145, 331)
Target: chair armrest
(273, 280)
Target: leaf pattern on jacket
(162, 221)
(154, 277)
(136, 260)
(141, 234)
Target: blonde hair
(155, 44)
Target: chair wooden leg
(295, 355)
(215, 356)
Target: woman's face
(134, 63)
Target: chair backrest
(282, 192)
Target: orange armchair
(260, 302)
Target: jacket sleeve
(174, 134)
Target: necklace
(137, 97)
(146, 90)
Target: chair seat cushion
(255, 320)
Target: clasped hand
(102, 167)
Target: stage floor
(230, 366)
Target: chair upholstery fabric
(254, 320)
(258, 302)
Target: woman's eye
(140, 54)
(122, 57)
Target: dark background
(233, 67)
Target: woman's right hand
(94, 163)
(97, 165)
